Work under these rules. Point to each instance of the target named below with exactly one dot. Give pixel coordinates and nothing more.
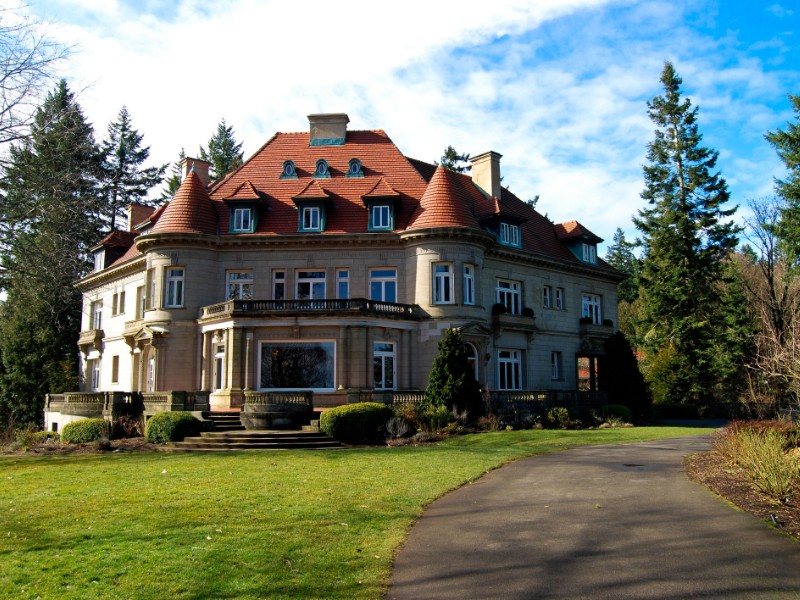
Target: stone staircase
(224, 421)
(216, 441)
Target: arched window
(322, 170)
(473, 360)
(289, 170)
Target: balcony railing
(237, 308)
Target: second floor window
(96, 315)
(383, 285)
(469, 284)
(509, 294)
(173, 296)
(342, 283)
(141, 302)
(560, 299)
(239, 285)
(310, 285)
(547, 295)
(593, 308)
(442, 284)
(279, 285)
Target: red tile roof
(573, 229)
(445, 203)
(189, 211)
(118, 239)
(246, 191)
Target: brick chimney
(197, 165)
(486, 172)
(138, 213)
(328, 129)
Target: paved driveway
(596, 522)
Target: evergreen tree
(620, 256)
(224, 153)
(451, 159)
(687, 234)
(125, 181)
(51, 189)
(451, 381)
(173, 182)
(622, 380)
(787, 145)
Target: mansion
(330, 263)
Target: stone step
(220, 446)
(255, 440)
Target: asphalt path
(596, 522)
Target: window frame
(308, 216)
(343, 284)
(380, 358)
(547, 296)
(589, 253)
(381, 224)
(115, 368)
(560, 299)
(330, 346)
(279, 283)
(174, 287)
(468, 273)
(442, 283)
(592, 307)
(238, 284)
(509, 365)
(236, 226)
(556, 365)
(383, 276)
(510, 234)
(513, 292)
(96, 314)
(301, 278)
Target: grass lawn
(300, 524)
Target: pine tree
(224, 153)
(620, 256)
(126, 181)
(173, 182)
(451, 381)
(51, 188)
(451, 159)
(687, 234)
(787, 145)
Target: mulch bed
(711, 470)
(118, 446)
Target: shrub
(42, 437)
(763, 459)
(489, 422)
(435, 418)
(25, 438)
(356, 423)
(86, 430)
(126, 427)
(167, 426)
(620, 412)
(558, 418)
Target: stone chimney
(486, 172)
(197, 165)
(138, 213)
(328, 129)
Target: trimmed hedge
(85, 430)
(618, 411)
(356, 423)
(166, 427)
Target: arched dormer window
(354, 168)
(322, 170)
(289, 170)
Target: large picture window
(308, 365)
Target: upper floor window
(278, 285)
(239, 285)
(141, 302)
(593, 308)
(342, 283)
(322, 169)
(442, 283)
(380, 217)
(547, 296)
(173, 297)
(383, 285)
(118, 303)
(354, 168)
(509, 234)
(289, 170)
(560, 303)
(310, 285)
(589, 253)
(96, 315)
(509, 294)
(310, 218)
(469, 284)
(99, 260)
(242, 220)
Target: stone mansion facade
(330, 262)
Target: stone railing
(93, 404)
(175, 400)
(337, 305)
(517, 407)
(266, 398)
(387, 396)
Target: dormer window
(289, 170)
(242, 221)
(589, 253)
(509, 234)
(322, 171)
(99, 259)
(381, 217)
(354, 168)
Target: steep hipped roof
(573, 229)
(189, 211)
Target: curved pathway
(595, 522)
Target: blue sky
(558, 87)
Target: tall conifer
(224, 152)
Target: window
(115, 369)
(383, 365)
(141, 302)
(509, 370)
(278, 285)
(239, 285)
(342, 283)
(442, 284)
(174, 287)
(93, 368)
(151, 288)
(589, 253)
(560, 299)
(473, 360)
(310, 285)
(150, 381)
(219, 368)
(509, 234)
(242, 220)
(380, 216)
(469, 284)
(592, 308)
(310, 219)
(99, 260)
(555, 365)
(383, 285)
(547, 294)
(509, 294)
(354, 168)
(289, 171)
(118, 303)
(96, 315)
(307, 365)
(322, 170)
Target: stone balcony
(328, 306)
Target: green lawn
(302, 524)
